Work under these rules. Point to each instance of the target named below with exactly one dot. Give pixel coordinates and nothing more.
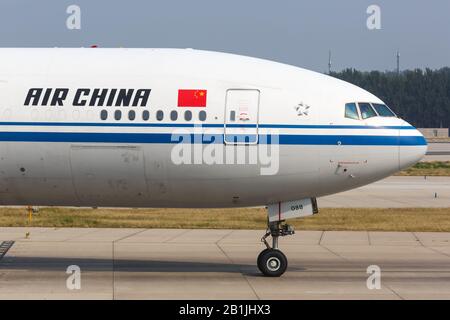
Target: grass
(433, 168)
(403, 219)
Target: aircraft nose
(412, 147)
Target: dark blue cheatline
(205, 125)
(165, 138)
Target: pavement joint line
(243, 275)
(113, 262)
(336, 254)
(331, 251)
(177, 235)
(158, 242)
(224, 236)
(129, 235)
(4, 248)
(394, 292)
(321, 237)
(46, 230)
(418, 239)
(437, 251)
(368, 238)
(82, 235)
(397, 201)
(372, 196)
(21, 237)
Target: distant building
(434, 132)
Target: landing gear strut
(271, 261)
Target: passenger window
(131, 115)
(117, 114)
(351, 111)
(104, 115)
(202, 115)
(383, 110)
(187, 115)
(145, 115)
(173, 115)
(159, 115)
(366, 110)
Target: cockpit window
(366, 110)
(383, 110)
(351, 111)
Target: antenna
(329, 62)
(398, 62)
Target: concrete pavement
(220, 264)
(394, 192)
(438, 151)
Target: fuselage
(184, 128)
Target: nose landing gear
(271, 261)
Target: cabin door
(241, 116)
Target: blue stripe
(197, 138)
(191, 125)
(413, 141)
(353, 140)
(325, 126)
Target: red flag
(191, 98)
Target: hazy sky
(295, 32)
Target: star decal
(302, 109)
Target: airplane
(184, 128)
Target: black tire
(258, 261)
(273, 263)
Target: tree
(421, 97)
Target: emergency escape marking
(4, 247)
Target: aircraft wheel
(258, 261)
(273, 263)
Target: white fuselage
(62, 142)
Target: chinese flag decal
(191, 98)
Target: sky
(296, 32)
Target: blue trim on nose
(413, 141)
